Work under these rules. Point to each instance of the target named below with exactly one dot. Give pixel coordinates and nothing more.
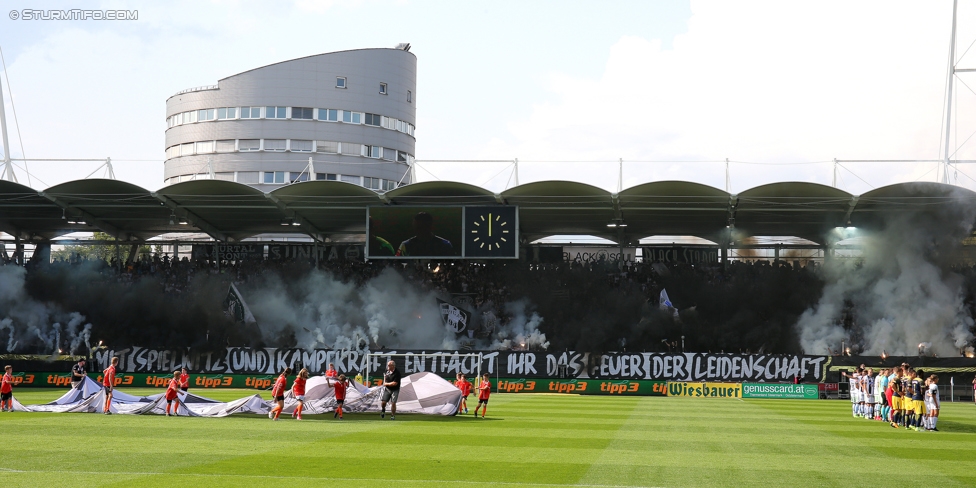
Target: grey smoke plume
(387, 311)
(33, 324)
(903, 292)
(521, 332)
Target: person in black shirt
(391, 392)
(78, 374)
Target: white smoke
(388, 311)
(8, 324)
(32, 325)
(902, 291)
(522, 331)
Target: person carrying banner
(465, 386)
(278, 394)
(298, 389)
(932, 403)
(340, 393)
(184, 380)
(391, 391)
(7, 389)
(78, 373)
(484, 391)
(108, 382)
(171, 393)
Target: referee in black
(391, 392)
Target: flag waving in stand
(454, 318)
(236, 308)
(666, 303)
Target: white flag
(665, 301)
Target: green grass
(530, 440)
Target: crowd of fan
(740, 306)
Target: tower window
(275, 112)
(382, 88)
(340, 81)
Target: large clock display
(491, 232)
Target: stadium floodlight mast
(424, 357)
(8, 167)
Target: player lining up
(484, 391)
(899, 396)
(278, 394)
(881, 392)
(867, 393)
(918, 402)
(854, 382)
(932, 403)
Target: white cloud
(766, 82)
(759, 81)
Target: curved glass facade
(348, 116)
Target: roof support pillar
(850, 210)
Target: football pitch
(527, 440)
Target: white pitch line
(315, 478)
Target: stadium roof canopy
(230, 212)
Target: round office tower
(345, 116)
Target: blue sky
(548, 82)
